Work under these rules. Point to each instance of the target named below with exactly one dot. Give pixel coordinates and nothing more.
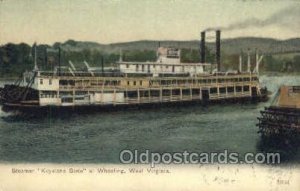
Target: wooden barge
(282, 118)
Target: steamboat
(167, 80)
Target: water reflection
(287, 146)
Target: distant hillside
(280, 55)
(229, 46)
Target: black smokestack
(202, 47)
(46, 57)
(218, 49)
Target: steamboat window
(67, 100)
(166, 93)
(134, 83)
(68, 82)
(296, 89)
(127, 65)
(254, 79)
(144, 93)
(213, 90)
(238, 88)
(132, 94)
(143, 68)
(230, 89)
(222, 90)
(195, 92)
(141, 83)
(41, 81)
(154, 93)
(50, 81)
(186, 92)
(136, 68)
(246, 88)
(128, 83)
(175, 92)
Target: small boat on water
(166, 80)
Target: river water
(99, 137)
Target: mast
(46, 57)
(240, 62)
(102, 64)
(248, 62)
(121, 56)
(35, 58)
(59, 60)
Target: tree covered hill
(229, 46)
(16, 58)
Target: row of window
(200, 81)
(229, 89)
(49, 94)
(184, 92)
(42, 81)
(142, 67)
(135, 83)
(158, 82)
(156, 93)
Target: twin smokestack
(218, 48)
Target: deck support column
(180, 93)
(138, 94)
(73, 96)
(234, 89)
(101, 98)
(226, 88)
(149, 96)
(114, 98)
(160, 94)
(200, 93)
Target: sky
(111, 21)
